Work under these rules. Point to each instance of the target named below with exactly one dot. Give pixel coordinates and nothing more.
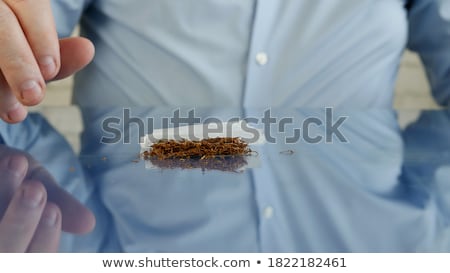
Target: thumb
(76, 53)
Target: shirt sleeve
(67, 13)
(429, 35)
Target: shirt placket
(259, 55)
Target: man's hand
(33, 208)
(31, 54)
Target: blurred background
(412, 93)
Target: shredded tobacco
(203, 149)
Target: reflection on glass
(385, 189)
(219, 163)
(21, 174)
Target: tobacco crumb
(287, 152)
(104, 158)
(203, 149)
(72, 169)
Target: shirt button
(262, 58)
(268, 212)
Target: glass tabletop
(322, 180)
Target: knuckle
(13, 62)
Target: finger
(40, 32)
(11, 110)
(76, 53)
(48, 232)
(13, 169)
(17, 61)
(22, 217)
(76, 218)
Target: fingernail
(17, 113)
(31, 91)
(31, 197)
(18, 165)
(49, 217)
(48, 66)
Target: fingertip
(49, 67)
(85, 222)
(16, 114)
(91, 222)
(31, 92)
(48, 233)
(51, 216)
(76, 53)
(33, 194)
(91, 49)
(18, 165)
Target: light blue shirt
(255, 52)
